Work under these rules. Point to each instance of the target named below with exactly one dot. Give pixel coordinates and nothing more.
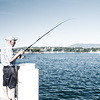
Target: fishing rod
(46, 33)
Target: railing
(28, 82)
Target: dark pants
(9, 76)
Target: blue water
(67, 76)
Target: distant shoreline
(58, 50)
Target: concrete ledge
(2, 99)
(28, 82)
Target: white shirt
(6, 55)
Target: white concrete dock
(28, 82)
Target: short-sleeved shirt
(6, 55)
(9, 72)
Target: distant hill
(90, 45)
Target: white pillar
(28, 85)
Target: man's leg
(13, 93)
(5, 89)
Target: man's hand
(21, 52)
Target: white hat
(10, 38)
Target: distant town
(75, 48)
(59, 50)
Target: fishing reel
(21, 57)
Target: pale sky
(28, 20)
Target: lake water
(67, 76)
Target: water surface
(67, 76)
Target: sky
(27, 20)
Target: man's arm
(16, 56)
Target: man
(8, 62)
